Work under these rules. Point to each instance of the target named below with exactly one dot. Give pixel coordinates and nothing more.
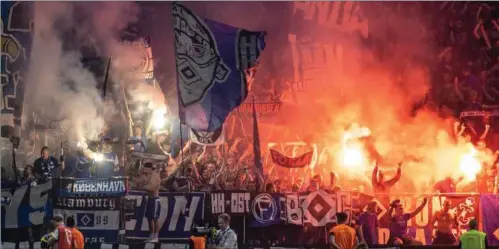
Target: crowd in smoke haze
(407, 83)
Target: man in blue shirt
(46, 166)
(138, 139)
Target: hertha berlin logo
(264, 208)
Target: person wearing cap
(149, 181)
(62, 236)
(473, 239)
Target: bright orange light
(352, 157)
(469, 165)
(352, 152)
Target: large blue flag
(215, 62)
(17, 27)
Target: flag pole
(179, 103)
(256, 146)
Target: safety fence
(107, 212)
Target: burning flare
(469, 164)
(352, 152)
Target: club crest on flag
(215, 62)
(198, 61)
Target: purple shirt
(398, 225)
(369, 223)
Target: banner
(178, 213)
(214, 63)
(17, 27)
(261, 108)
(265, 210)
(208, 138)
(144, 68)
(297, 162)
(107, 187)
(490, 217)
(230, 202)
(315, 208)
(98, 218)
(25, 206)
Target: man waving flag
(214, 62)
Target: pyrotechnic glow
(98, 157)
(352, 154)
(159, 119)
(469, 165)
(352, 157)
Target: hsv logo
(319, 208)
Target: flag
(256, 142)
(296, 162)
(214, 63)
(208, 137)
(490, 214)
(17, 31)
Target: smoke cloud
(347, 82)
(60, 87)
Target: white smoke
(59, 87)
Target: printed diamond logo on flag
(214, 63)
(85, 219)
(319, 208)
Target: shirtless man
(149, 181)
(446, 220)
(381, 187)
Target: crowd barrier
(242, 246)
(106, 211)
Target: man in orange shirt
(62, 235)
(78, 239)
(343, 236)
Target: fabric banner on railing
(490, 216)
(96, 217)
(105, 187)
(230, 202)
(178, 212)
(25, 206)
(265, 209)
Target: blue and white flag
(16, 28)
(25, 206)
(215, 62)
(177, 214)
(98, 218)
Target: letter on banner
(218, 203)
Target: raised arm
(476, 29)
(396, 178)
(419, 208)
(374, 177)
